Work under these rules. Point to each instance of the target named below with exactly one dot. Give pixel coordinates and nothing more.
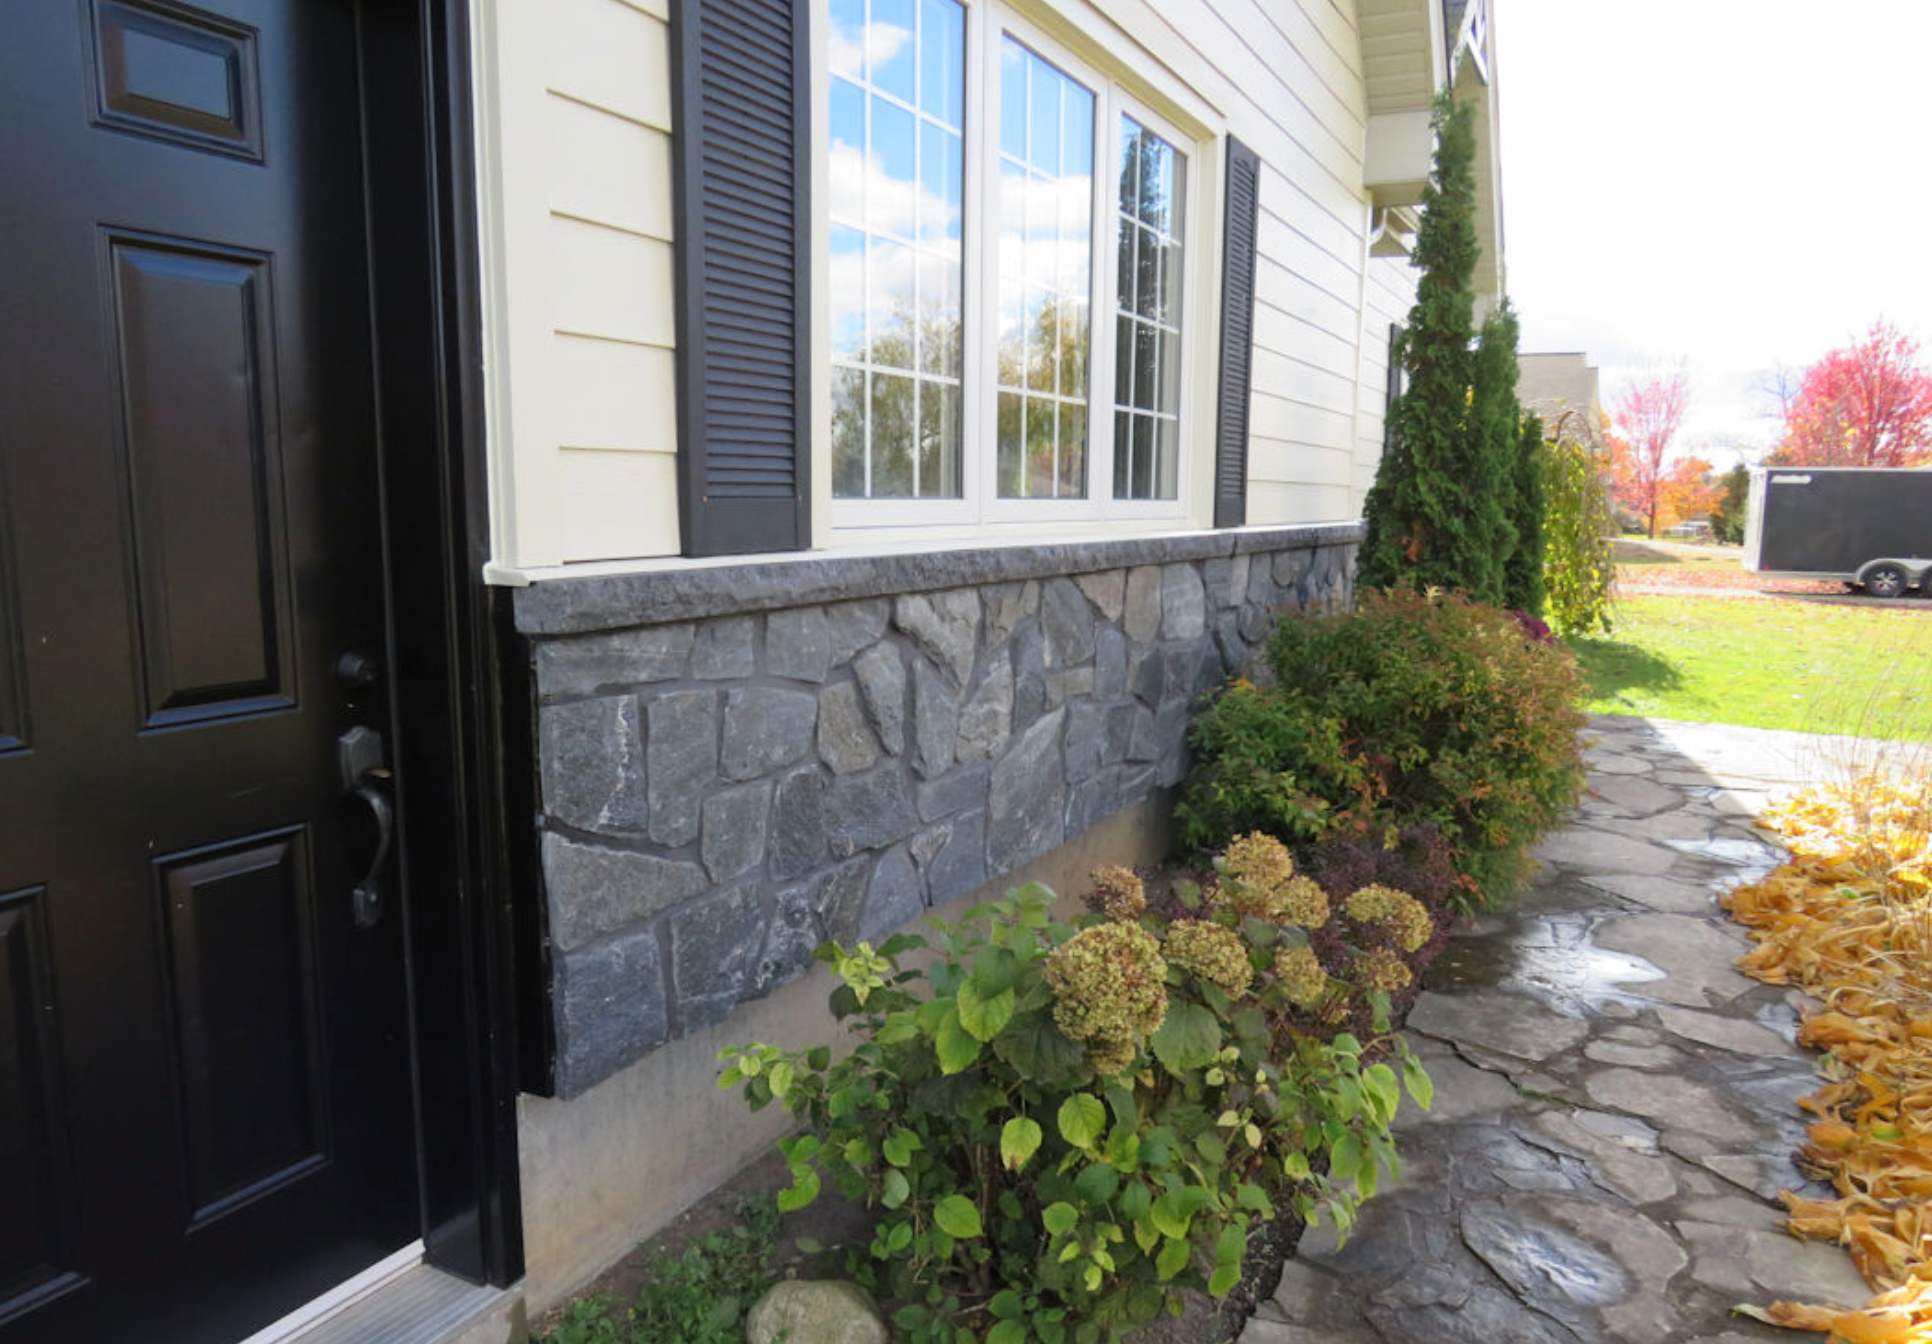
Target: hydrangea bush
(1063, 1124)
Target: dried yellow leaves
(1850, 921)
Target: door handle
(360, 761)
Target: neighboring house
(1562, 388)
(519, 518)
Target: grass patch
(699, 1296)
(1794, 664)
(1706, 555)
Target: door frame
(470, 937)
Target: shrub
(1416, 709)
(1063, 1125)
(1579, 523)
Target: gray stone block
(766, 729)
(1141, 617)
(893, 897)
(1026, 806)
(590, 890)
(868, 811)
(1029, 674)
(1119, 732)
(960, 866)
(622, 658)
(1007, 604)
(798, 824)
(825, 905)
(944, 627)
(1149, 676)
(592, 763)
(725, 649)
(1256, 620)
(681, 759)
(1229, 643)
(852, 626)
(1109, 664)
(1143, 737)
(736, 822)
(958, 791)
(1135, 785)
(1066, 620)
(927, 843)
(715, 944)
(1183, 672)
(1217, 577)
(1170, 727)
(1288, 567)
(798, 644)
(1092, 801)
(1261, 581)
(609, 1009)
(1086, 739)
(1183, 603)
(986, 719)
(845, 742)
(1107, 590)
(935, 721)
(882, 676)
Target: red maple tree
(1688, 490)
(1866, 405)
(1648, 413)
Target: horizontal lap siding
(1387, 296)
(611, 267)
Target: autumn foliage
(1648, 415)
(1868, 404)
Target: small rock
(815, 1311)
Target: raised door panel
(33, 1239)
(204, 479)
(248, 1049)
(174, 73)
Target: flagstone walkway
(1615, 1104)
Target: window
(1007, 327)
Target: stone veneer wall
(738, 761)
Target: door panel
(195, 389)
(205, 1060)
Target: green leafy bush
(1416, 708)
(1579, 525)
(1062, 1125)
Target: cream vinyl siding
(575, 136)
(574, 128)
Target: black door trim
(445, 658)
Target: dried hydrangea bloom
(1258, 879)
(1382, 969)
(1117, 892)
(1215, 954)
(1106, 984)
(1110, 1057)
(1400, 913)
(1301, 975)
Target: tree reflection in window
(1045, 246)
(896, 183)
(1147, 325)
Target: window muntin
(1044, 276)
(896, 195)
(1147, 322)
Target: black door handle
(366, 897)
(359, 758)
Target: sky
(1739, 184)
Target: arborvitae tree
(1523, 577)
(1442, 512)
(1727, 519)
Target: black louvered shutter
(741, 140)
(1237, 336)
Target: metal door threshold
(422, 1305)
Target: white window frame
(987, 21)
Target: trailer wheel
(1885, 580)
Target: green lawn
(1768, 664)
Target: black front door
(205, 1113)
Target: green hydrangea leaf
(984, 1018)
(955, 1047)
(1019, 1140)
(1060, 1218)
(1172, 1259)
(1189, 1038)
(1082, 1117)
(897, 1188)
(1097, 1185)
(1421, 1088)
(957, 1216)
